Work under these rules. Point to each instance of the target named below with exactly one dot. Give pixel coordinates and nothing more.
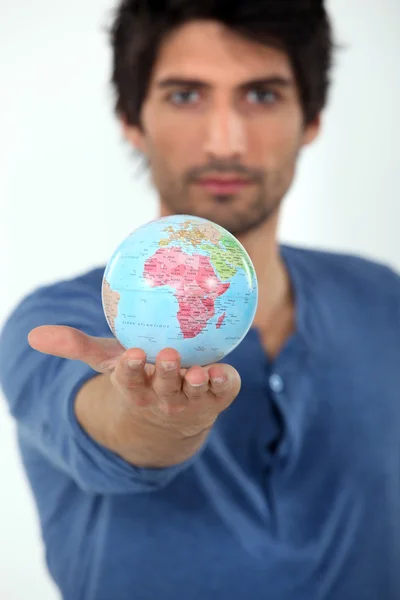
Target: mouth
(223, 186)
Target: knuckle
(167, 379)
(133, 383)
(117, 383)
(196, 391)
(168, 393)
(113, 379)
(107, 366)
(124, 382)
(167, 385)
(170, 410)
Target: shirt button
(276, 383)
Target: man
(275, 475)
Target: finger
(196, 384)
(224, 382)
(101, 354)
(167, 380)
(130, 377)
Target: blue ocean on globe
(180, 282)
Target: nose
(226, 137)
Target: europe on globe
(180, 282)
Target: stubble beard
(227, 212)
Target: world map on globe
(180, 282)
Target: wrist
(149, 445)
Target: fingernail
(134, 364)
(168, 366)
(219, 379)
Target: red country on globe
(195, 283)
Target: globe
(180, 282)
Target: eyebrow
(272, 81)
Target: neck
(275, 292)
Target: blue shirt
(295, 495)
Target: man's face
(222, 127)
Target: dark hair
(301, 28)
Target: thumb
(101, 354)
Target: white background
(69, 188)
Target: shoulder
(86, 281)
(83, 285)
(346, 275)
(348, 304)
(74, 301)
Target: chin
(237, 214)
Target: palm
(189, 400)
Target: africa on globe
(180, 282)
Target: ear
(312, 130)
(134, 135)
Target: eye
(261, 96)
(184, 97)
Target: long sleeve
(41, 389)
